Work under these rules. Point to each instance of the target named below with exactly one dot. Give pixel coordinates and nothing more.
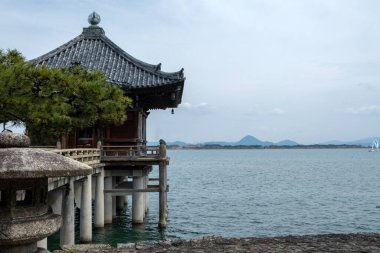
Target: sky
(308, 71)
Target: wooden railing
(130, 152)
(85, 155)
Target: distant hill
(363, 142)
(222, 143)
(249, 140)
(176, 143)
(333, 142)
(287, 143)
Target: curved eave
(159, 97)
(128, 88)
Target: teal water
(237, 193)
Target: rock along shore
(363, 243)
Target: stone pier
(99, 200)
(108, 201)
(86, 211)
(138, 201)
(162, 196)
(67, 233)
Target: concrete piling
(85, 211)
(108, 201)
(138, 201)
(67, 233)
(162, 195)
(99, 200)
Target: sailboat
(375, 146)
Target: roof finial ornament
(94, 18)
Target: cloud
(366, 86)
(364, 110)
(274, 111)
(187, 105)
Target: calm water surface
(260, 193)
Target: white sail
(375, 145)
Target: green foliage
(51, 102)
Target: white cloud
(266, 112)
(364, 110)
(187, 105)
(276, 111)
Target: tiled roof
(94, 51)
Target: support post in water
(108, 201)
(99, 200)
(138, 201)
(85, 211)
(67, 235)
(163, 186)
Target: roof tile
(93, 50)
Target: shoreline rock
(360, 242)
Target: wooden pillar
(163, 186)
(65, 141)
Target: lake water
(240, 193)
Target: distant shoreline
(313, 146)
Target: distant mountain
(223, 143)
(287, 143)
(178, 143)
(363, 142)
(249, 140)
(333, 142)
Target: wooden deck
(133, 155)
(112, 156)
